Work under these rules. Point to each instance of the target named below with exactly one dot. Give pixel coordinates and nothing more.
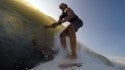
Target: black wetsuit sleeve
(61, 16)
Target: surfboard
(70, 65)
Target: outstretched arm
(60, 18)
(55, 24)
(70, 14)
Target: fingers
(54, 25)
(46, 26)
(51, 26)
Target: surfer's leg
(63, 39)
(72, 37)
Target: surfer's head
(63, 6)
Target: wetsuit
(75, 21)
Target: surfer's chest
(65, 14)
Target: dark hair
(63, 4)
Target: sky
(104, 23)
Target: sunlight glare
(41, 7)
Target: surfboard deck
(70, 65)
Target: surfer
(75, 23)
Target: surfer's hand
(54, 25)
(47, 26)
(51, 26)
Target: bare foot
(72, 56)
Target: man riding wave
(75, 23)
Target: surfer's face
(62, 7)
